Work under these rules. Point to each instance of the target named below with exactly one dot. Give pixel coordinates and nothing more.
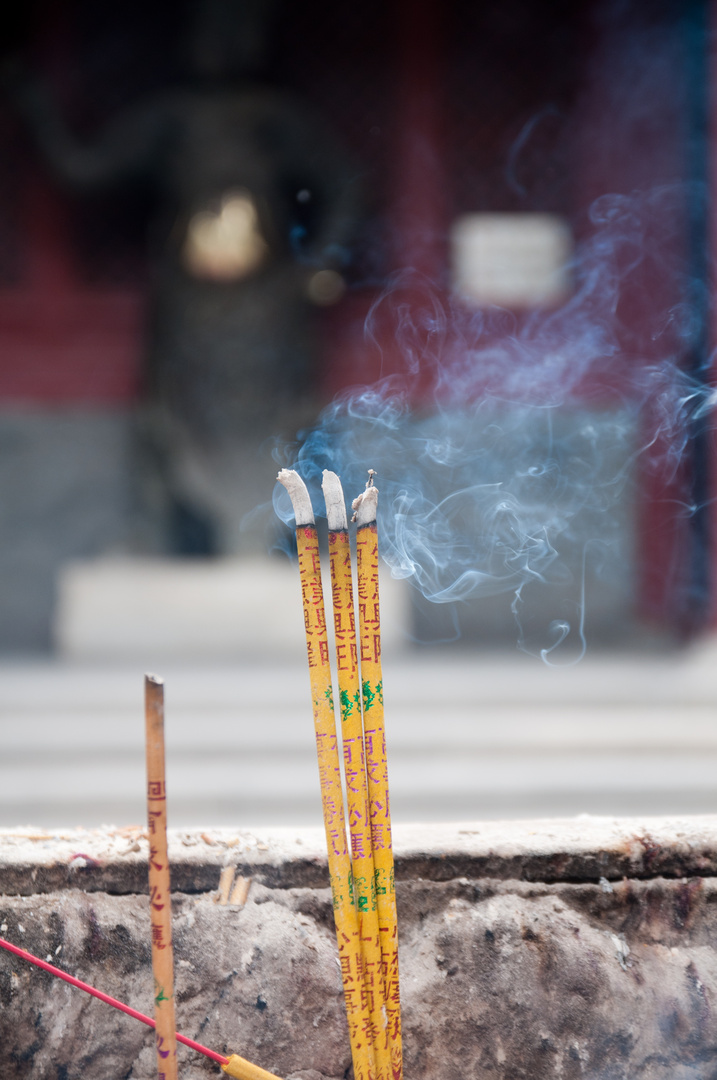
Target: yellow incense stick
(365, 507)
(317, 648)
(241, 1069)
(159, 893)
(354, 766)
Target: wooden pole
(317, 649)
(159, 890)
(355, 767)
(365, 511)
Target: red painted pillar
(390, 331)
(63, 339)
(712, 330)
(631, 142)
(403, 322)
(418, 196)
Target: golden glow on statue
(325, 287)
(225, 245)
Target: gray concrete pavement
(470, 736)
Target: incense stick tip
(334, 498)
(365, 506)
(156, 680)
(299, 495)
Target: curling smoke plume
(505, 444)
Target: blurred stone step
(152, 609)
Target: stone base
(127, 608)
(65, 494)
(581, 948)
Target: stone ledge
(528, 950)
(582, 849)
(506, 980)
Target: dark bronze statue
(258, 207)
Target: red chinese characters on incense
(369, 960)
(362, 864)
(317, 651)
(159, 887)
(365, 509)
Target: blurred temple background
(201, 205)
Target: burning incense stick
(365, 508)
(317, 648)
(354, 765)
(234, 1065)
(159, 892)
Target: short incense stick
(354, 765)
(234, 1065)
(161, 904)
(365, 511)
(159, 892)
(317, 648)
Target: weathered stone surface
(501, 978)
(261, 981)
(560, 981)
(577, 849)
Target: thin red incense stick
(109, 1000)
